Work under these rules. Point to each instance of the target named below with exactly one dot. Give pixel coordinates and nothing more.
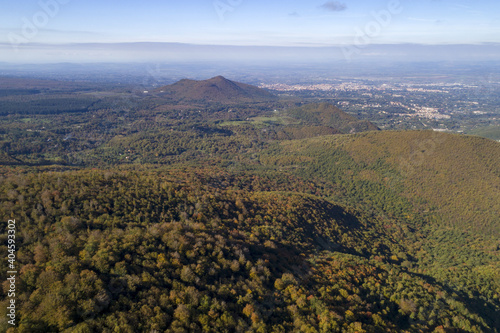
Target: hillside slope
(325, 114)
(456, 178)
(183, 251)
(443, 187)
(217, 89)
(164, 212)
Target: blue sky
(250, 22)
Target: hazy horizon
(174, 52)
(49, 31)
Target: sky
(312, 23)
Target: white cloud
(334, 6)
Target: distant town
(442, 106)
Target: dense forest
(138, 213)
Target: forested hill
(329, 115)
(452, 177)
(217, 89)
(141, 213)
(199, 251)
(324, 234)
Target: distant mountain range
(217, 89)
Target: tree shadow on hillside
(475, 305)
